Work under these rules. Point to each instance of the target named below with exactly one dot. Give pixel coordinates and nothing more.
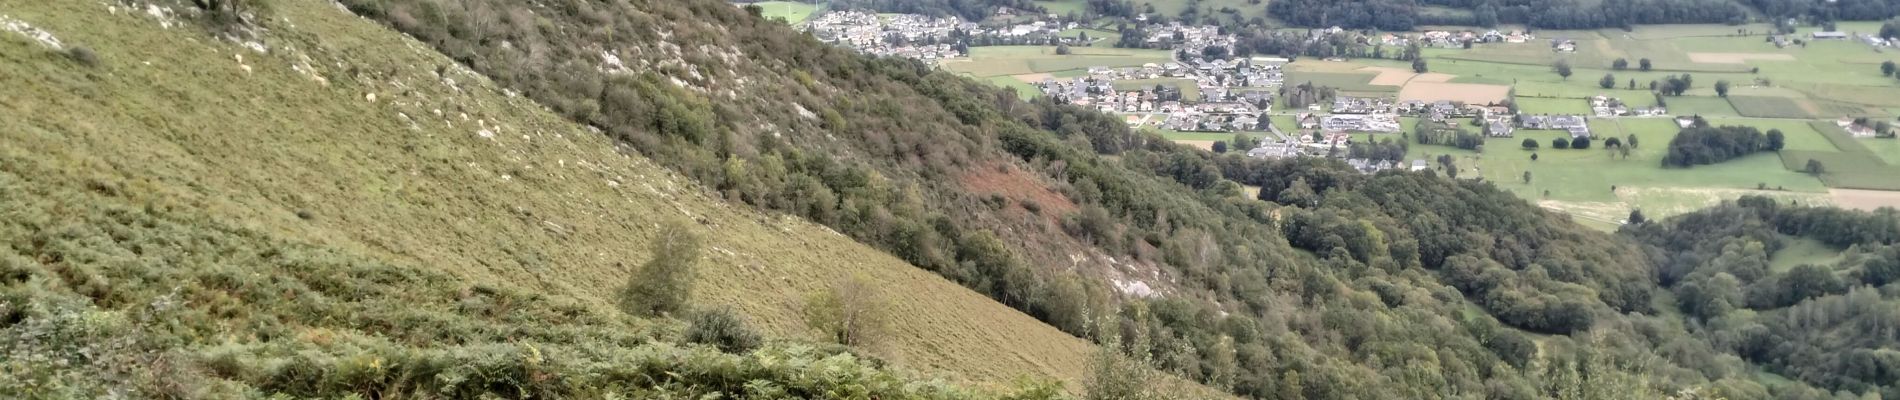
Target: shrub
(84, 56)
(665, 282)
(723, 329)
(850, 313)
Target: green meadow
(792, 11)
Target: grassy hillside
(349, 138)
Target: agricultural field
(1599, 186)
(1189, 90)
(792, 11)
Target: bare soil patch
(1389, 76)
(1018, 186)
(1737, 58)
(1202, 144)
(1470, 93)
(1865, 199)
(1432, 77)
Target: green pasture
(1803, 251)
(1698, 105)
(793, 12)
(1024, 90)
(1580, 181)
(1547, 105)
(1190, 91)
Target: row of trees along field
(1395, 283)
(1400, 15)
(1703, 144)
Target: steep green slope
(347, 139)
(1352, 287)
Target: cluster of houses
(1605, 106)
(1189, 39)
(1360, 123)
(1445, 39)
(1208, 118)
(1856, 128)
(923, 37)
(905, 35)
(1575, 124)
(1867, 38)
(1233, 94)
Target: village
(1203, 85)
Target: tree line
(1703, 145)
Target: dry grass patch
(1471, 93)
(1200, 144)
(1390, 76)
(1865, 199)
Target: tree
(1620, 64)
(1063, 49)
(1418, 65)
(1776, 140)
(1486, 15)
(1608, 81)
(1242, 142)
(1636, 217)
(1527, 177)
(849, 312)
(1560, 143)
(1643, 64)
(1533, 157)
(1631, 141)
(1220, 147)
(1887, 68)
(1721, 87)
(1815, 167)
(663, 285)
(1580, 143)
(1563, 68)
(1530, 144)
(1612, 143)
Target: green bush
(722, 328)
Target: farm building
(1829, 35)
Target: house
(1685, 122)
(1420, 165)
(1562, 45)
(1829, 35)
(1498, 129)
(1574, 124)
(1271, 149)
(1855, 129)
